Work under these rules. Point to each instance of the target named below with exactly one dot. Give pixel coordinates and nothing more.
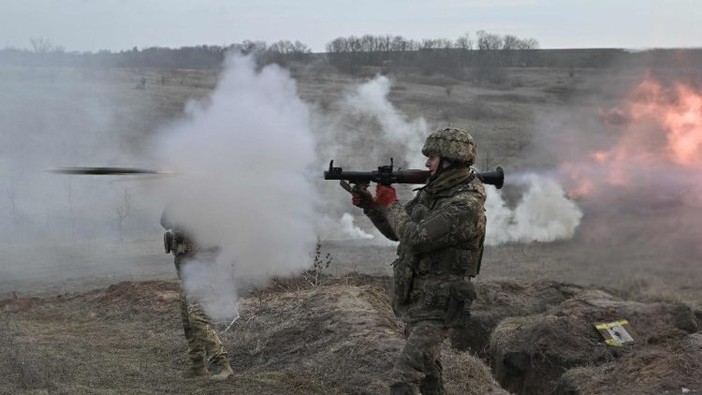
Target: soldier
(441, 233)
(207, 354)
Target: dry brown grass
(291, 338)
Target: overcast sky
(91, 25)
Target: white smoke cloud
(371, 99)
(212, 282)
(348, 227)
(245, 156)
(543, 214)
(363, 130)
(342, 228)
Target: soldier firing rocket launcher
(386, 175)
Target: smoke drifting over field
(360, 132)
(543, 214)
(245, 156)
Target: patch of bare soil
(341, 338)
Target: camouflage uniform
(441, 233)
(203, 342)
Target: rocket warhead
(106, 170)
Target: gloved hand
(360, 197)
(385, 195)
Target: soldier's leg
(196, 348)
(197, 352)
(205, 346)
(206, 337)
(418, 367)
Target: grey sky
(91, 25)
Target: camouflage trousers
(418, 369)
(203, 342)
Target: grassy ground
(292, 338)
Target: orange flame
(678, 112)
(661, 126)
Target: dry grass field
(99, 315)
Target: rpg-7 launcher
(386, 175)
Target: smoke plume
(543, 214)
(245, 157)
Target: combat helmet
(453, 144)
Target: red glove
(385, 195)
(360, 197)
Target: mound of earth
(541, 338)
(346, 334)
(342, 337)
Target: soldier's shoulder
(472, 192)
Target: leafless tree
(510, 42)
(41, 45)
(464, 42)
(488, 41)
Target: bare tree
(511, 42)
(464, 42)
(41, 45)
(488, 41)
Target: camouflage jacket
(441, 233)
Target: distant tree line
(481, 56)
(370, 49)
(44, 53)
(484, 53)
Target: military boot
(221, 370)
(198, 368)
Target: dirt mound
(148, 294)
(560, 350)
(347, 334)
(342, 337)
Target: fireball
(660, 137)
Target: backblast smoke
(246, 156)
